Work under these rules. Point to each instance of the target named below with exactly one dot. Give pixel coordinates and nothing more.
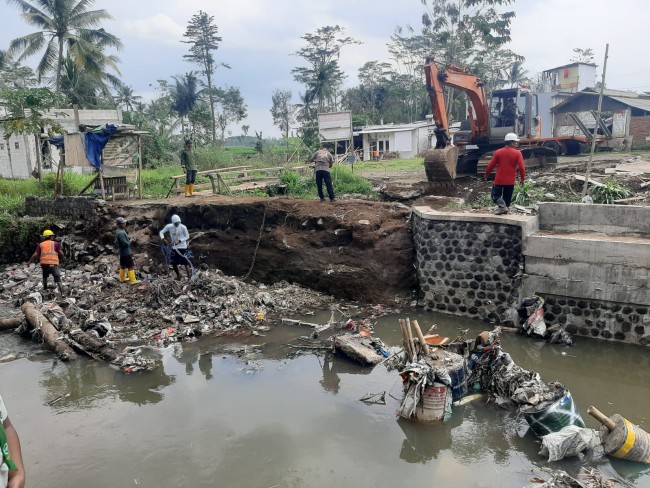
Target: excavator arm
(460, 79)
(440, 163)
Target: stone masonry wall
(72, 208)
(600, 319)
(468, 268)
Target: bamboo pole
(423, 343)
(598, 115)
(402, 324)
(409, 334)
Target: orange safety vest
(49, 256)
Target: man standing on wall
(123, 242)
(12, 470)
(324, 162)
(49, 254)
(189, 168)
(507, 160)
(178, 235)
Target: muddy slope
(351, 249)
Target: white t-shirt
(4, 471)
(179, 235)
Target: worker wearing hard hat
(507, 160)
(178, 238)
(49, 254)
(123, 242)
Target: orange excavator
(509, 110)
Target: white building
(18, 157)
(407, 140)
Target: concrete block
(590, 248)
(527, 223)
(605, 219)
(604, 273)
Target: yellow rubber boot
(122, 275)
(192, 190)
(132, 278)
(187, 191)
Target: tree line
(77, 67)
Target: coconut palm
(63, 24)
(126, 97)
(516, 74)
(184, 95)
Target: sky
(260, 37)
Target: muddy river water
(219, 414)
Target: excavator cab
(513, 110)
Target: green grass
(344, 181)
(414, 164)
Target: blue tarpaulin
(57, 141)
(96, 142)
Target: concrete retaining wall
(603, 219)
(468, 264)
(591, 263)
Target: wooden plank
(631, 199)
(591, 180)
(211, 171)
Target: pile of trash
(529, 320)
(157, 312)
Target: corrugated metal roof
(640, 103)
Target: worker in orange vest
(49, 254)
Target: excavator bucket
(539, 157)
(440, 164)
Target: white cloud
(160, 29)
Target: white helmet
(176, 219)
(511, 136)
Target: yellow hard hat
(47, 233)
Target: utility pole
(598, 113)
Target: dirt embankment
(351, 249)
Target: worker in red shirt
(49, 254)
(507, 160)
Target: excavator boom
(440, 162)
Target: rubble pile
(155, 313)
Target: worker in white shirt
(178, 238)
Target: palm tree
(63, 23)
(184, 95)
(126, 97)
(516, 74)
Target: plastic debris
(570, 441)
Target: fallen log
(96, 349)
(12, 323)
(49, 333)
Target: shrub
(610, 192)
(523, 194)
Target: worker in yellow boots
(49, 255)
(189, 168)
(123, 242)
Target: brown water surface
(230, 414)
